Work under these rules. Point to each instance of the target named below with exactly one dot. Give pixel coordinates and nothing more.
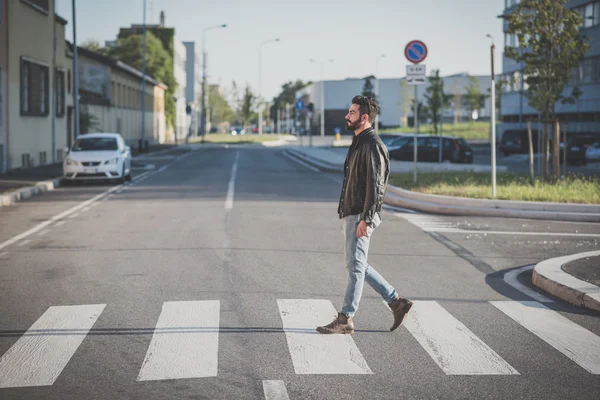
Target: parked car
(453, 149)
(238, 130)
(592, 153)
(577, 146)
(517, 142)
(388, 138)
(98, 156)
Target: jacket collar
(362, 135)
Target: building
(178, 51)
(395, 100)
(193, 69)
(111, 100)
(584, 116)
(35, 74)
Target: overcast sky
(352, 32)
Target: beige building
(35, 95)
(111, 100)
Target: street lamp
(493, 119)
(204, 91)
(260, 105)
(322, 63)
(377, 86)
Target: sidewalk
(574, 278)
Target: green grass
(509, 186)
(230, 139)
(466, 130)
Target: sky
(352, 33)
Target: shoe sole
(347, 332)
(408, 307)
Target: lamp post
(204, 91)
(260, 104)
(322, 64)
(377, 86)
(493, 120)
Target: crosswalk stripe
(454, 348)
(275, 390)
(312, 352)
(185, 343)
(41, 354)
(572, 340)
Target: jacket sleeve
(376, 180)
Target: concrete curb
(549, 276)
(27, 192)
(436, 204)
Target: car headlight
(111, 161)
(71, 162)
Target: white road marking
(41, 354)
(70, 212)
(185, 343)
(572, 340)
(140, 176)
(453, 347)
(275, 390)
(312, 352)
(24, 242)
(231, 189)
(511, 278)
(60, 223)
(431, 223)
(74, 215)
(44, 232)
(86, 209)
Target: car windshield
(96, 144)
(389, 140)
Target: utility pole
(75, 72)
(144, 81)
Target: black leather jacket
(366, 173)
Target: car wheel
(123, 177)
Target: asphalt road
(205, 279)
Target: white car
(97, 156)
(593, 152)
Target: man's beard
(352, 126)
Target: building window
(595, 69)
(60, 93)
(69, 81)
(34, 88)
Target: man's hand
(362, 229)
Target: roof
(116, 64)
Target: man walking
(366, 172)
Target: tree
(95, 46)
(368, 88)
(423, 111)
(474, 97)
(406, 101)
(219, 107)
(247, 109)
(436, 98)
(158, 64)
(288, 96)
(500, 83)
(550, 47)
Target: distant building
(584, 116)
(177, 50)
(111, 95)
(37, 122)
(193, 69)
(395, 100)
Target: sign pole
(416, 114)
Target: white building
(193, 86)
(179, 61)
(395, 100)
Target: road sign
(415, 51)
(416, 74)
(299, 105)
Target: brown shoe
(341, 324)
(400, 307)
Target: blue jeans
(359, 270)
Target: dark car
(517, 142)
(453, 149)
(388, 138)
(577, 146)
